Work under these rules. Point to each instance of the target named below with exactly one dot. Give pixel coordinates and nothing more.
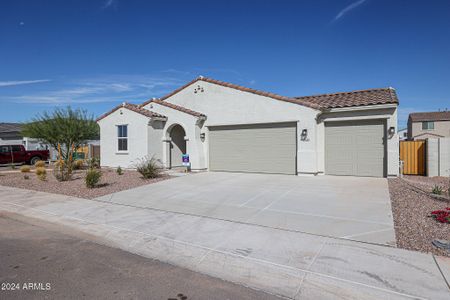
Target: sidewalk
(291, 264)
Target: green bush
(92, 178)
(26, 177)
(25, 169)
(41, 173)
(437, 190)
(149, 168)
(119, 170)
(40, 164)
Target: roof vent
(200, 77)
(123, 104)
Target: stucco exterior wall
(441, 128)
(138, 133)
(227, 106)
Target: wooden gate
(413, 154)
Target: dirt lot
(63, 264)
(411, 206)
(110, 182)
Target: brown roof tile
(354, 98)
(430, 116)
(179, 108)
(135, 108)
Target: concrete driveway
(346, 207)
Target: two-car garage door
(262, 148)
(355, 148)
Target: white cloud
(21, 82)
(110, 3)
(111, 88)
(348, 8)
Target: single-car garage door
(355, 148)
(262, 148)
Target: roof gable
(179, 108)
(134, 108)
(240, 88)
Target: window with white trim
(428, 125)
(122, 137)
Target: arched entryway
(177, 146)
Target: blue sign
(185, 160)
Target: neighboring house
(425, 125)
(10, 133)
(226, 127)
(403, 134)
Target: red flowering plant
(442, 216)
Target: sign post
(186, 162)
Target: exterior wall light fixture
(304, 134)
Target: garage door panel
(355, 148)
(266, 148)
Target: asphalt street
(41, 260)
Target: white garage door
(355, 148)
(261, 148)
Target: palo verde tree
(64, 129)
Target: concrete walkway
(355, 208)
(290, 264)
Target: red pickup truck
(17, 154)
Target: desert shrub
(26, 177)
(25, 169)
(149, 168)
(13, 167)
(442, 216)
(62, 171)
(92, 178)
(78, 164)
(94, 163)
(40, 164)
(119, 170)
(41, 173)
(437, 190)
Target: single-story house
(403, 134)
(423, 125)
(227, 127)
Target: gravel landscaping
(411, 206)
(110, 183)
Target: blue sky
(96, 54)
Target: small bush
(41, 173)
(40, 164)
(92, 178)
(149, 168)
(437, 190)
(119, 170)
(442, 216)
(13, 167)
(78, 164)
(94, 163)
(26, 177)
(25, 169)
(62, 171)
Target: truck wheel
(34, 159)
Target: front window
(122, 136)
(5, 149)
(428, 125)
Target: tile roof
(354, 98)
(10, 127)
(240, 88)
(135, 108)
(430, 116)
(179, 108)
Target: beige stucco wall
(441, 128)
